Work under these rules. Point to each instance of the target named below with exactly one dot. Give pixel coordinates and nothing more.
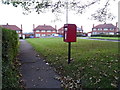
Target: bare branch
(102, 15)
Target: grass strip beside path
(94, 63)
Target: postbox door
(65, 33)
(70, 33)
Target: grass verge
(111, 38)
(94, 64)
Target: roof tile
(12, 27)
(44, 27)
(105, 26)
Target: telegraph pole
(69, 43)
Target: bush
(9, 53)
(99, 35)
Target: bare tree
(56, 6)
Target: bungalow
(79, 30)
(107, 29)
(44, 30)
(13, 27)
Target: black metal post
(69, 52)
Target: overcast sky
(15, 16)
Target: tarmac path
(35, 72)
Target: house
(79, 31)
(107, 29)
(13, 27)
(60, 31)
(43, 30)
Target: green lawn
(94, 63)
(112, 38)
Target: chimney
(44, 24)
(81, 27)
(33, 26)
(7, 24)
(55, 27)
(21, 27)
(116, 24)
(93, 26)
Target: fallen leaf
(112, 84)
(47, 63)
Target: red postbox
(69, 33)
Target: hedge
(10, 45)
(99, 35)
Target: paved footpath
(35, 72)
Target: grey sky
(14, 16)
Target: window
(48, 35)
(111, 33)
(37, 30)
(94, 29)
(48, 30)
(17, 31)
(94, 33)
(37, 35)
(106, 33)
(111, 29)
(98, 32)
(99, 28)
(105, 29)
(42, 30)
(53, 31)
(43, 35)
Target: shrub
(9, 53)
(101, 35)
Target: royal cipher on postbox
(69, 33)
